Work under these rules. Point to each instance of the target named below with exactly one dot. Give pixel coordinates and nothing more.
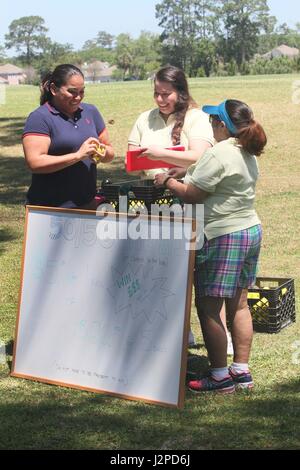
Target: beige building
(98, 72)
(282, 51)
(11, 74)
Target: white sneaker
(191, 339)
(230, 351)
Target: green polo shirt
(229, 174)
(151, 129)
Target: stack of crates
(272, 304)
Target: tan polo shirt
(151, 129)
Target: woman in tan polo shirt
(177, 120)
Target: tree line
(203, 37)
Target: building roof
(9, 69)
(98, 69)
(287, 50)
(282, 50)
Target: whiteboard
(107, 314)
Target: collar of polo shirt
(53, 110)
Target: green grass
(35, 415)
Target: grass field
(39, 416)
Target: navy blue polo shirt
(77, 183)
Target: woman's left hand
(100, 153)
(159, 179)
(153, 152)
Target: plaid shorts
(225, 263)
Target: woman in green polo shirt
(224, 180)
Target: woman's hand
(159, 179)
(153, 152)
(88, 148)
(177, 172)
(100, 154)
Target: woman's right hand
(88, 148)
(177, 172)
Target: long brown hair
(59, 77)
(176, 77)
(250, 133)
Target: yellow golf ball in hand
(100, 153)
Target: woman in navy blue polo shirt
(60, 141)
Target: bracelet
(167, 179)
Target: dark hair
(250, 133)
(177, 79)
(59, 77)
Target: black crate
(272, 304)
(141, 189)
(135, 205)
(146, 191)
(141, 194)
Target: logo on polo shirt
(87, 121)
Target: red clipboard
(133, 163)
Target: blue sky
(75, 22)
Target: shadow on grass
(49, 417)
(11, 130)
(197, 366)
(293, 386)
(14, 179)
(9, 348)
(6, 235)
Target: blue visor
(221, 112)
